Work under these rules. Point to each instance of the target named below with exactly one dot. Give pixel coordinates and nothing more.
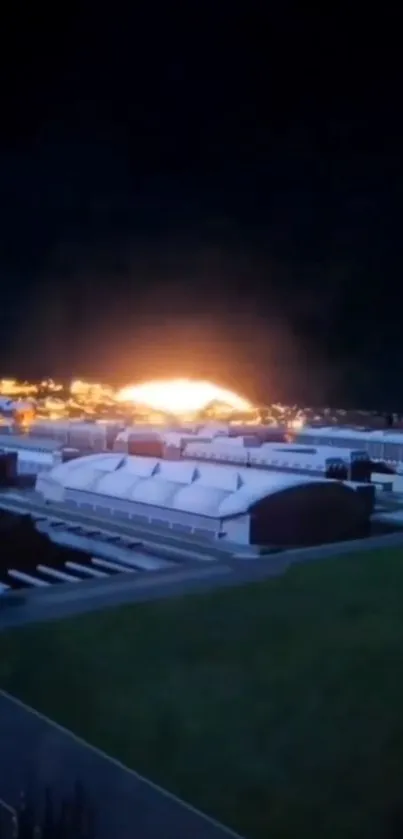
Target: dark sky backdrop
(217, 195)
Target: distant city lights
(155, 401)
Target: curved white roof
(200, 499)
(116, 484)
(168, 471)
(255, 490)
(103, 462)
(140, 466)
(203, 488)
(154, 491)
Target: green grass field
(277, 707)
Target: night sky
(210, 194)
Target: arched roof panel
(142, 467)
(83, 478)
(154, 490)
(180, 471)
(220, 477)
(203, 488)
(116, 484)
(259, 485)
(201, 499)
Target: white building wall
(237, 530)
(205, 498)
(143, 513)
(51, 490)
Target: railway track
(87, 548)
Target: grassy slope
(277, 707)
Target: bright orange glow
(92, 392)
(297, 423)
(181, 396)
(10, 387)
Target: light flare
(91, 391)
(297, 423)
(181, 396)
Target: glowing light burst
(181, 396)
(297, 423)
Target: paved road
(35, 753)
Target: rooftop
(190, 486)
(21, 441)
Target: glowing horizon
(180, 396)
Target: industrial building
(84, 436)
(6, 425)
(33, 456)
(328, 461)
(160, 443)
(240, 504)
(261, 433)
(163, 442)
(382, 446)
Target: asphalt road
(36, 753)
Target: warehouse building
(157, 441)
(238, 504)
(33, 456)
(84, 436)
(326, 461)
(381, 446)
